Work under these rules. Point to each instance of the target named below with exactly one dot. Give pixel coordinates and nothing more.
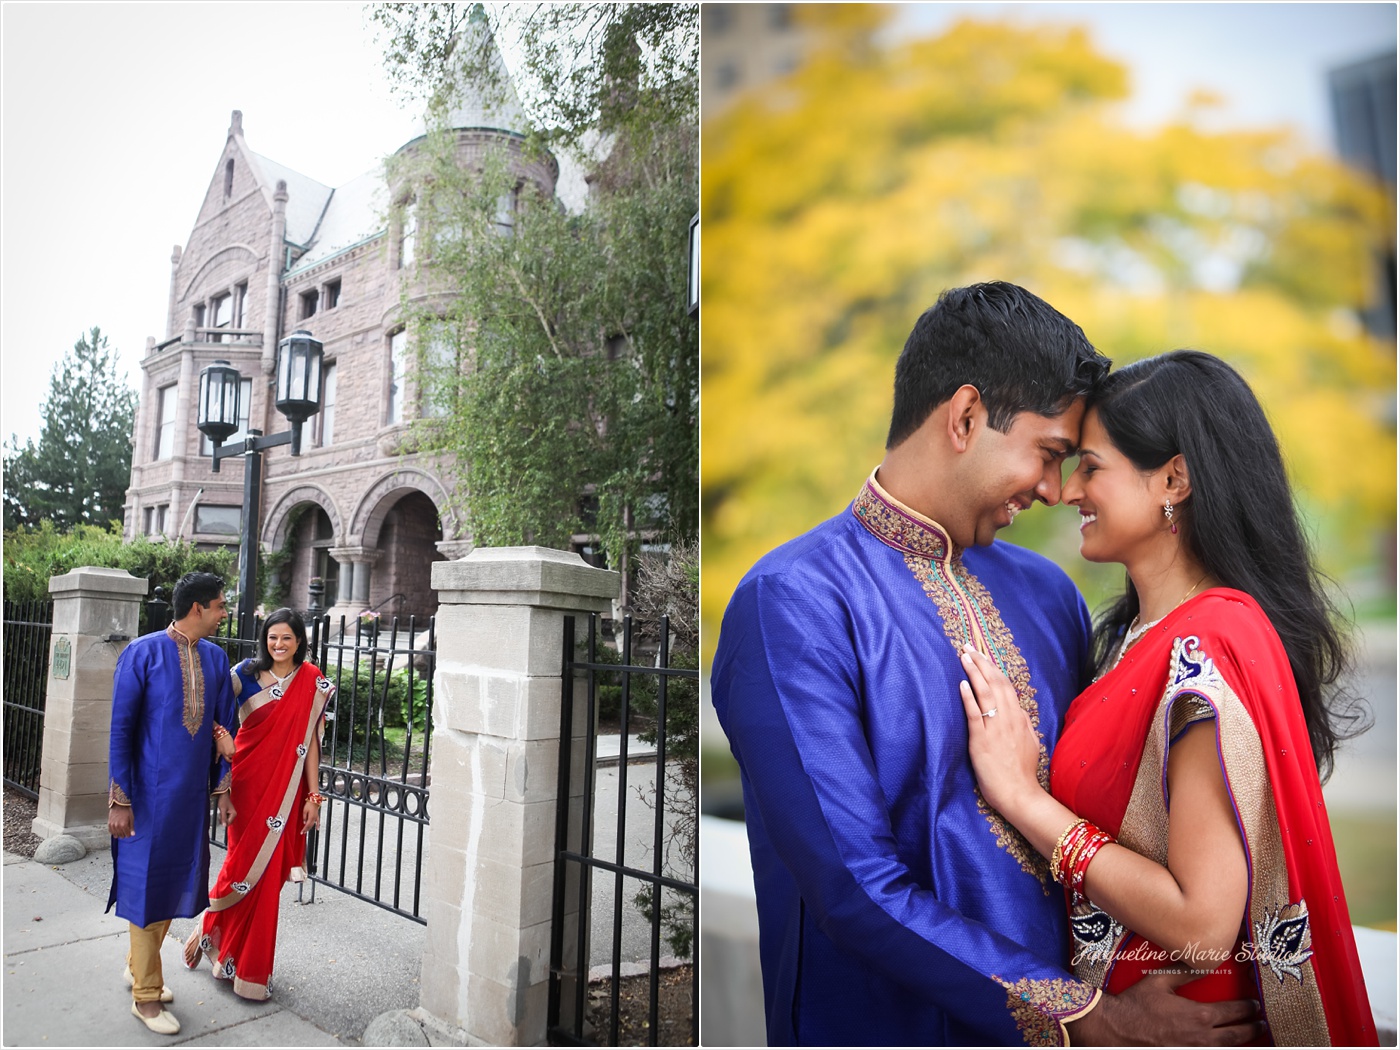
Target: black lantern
(218, 401)
(693, 282)
(298, 381)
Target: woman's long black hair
(1239, 521)
(263, 660)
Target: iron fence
(649, 715)
(28, 628)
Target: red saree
(265, 841)
(1218, 658)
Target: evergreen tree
(79, 471)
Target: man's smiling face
(1004, 474)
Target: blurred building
(1363, 111)
(745, 47)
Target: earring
(1167, 510)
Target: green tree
(561, 354)
(79, 471)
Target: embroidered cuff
(225, 782)
(116, 796)
(1041, 1008)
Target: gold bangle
(316, 797)
(1055, 854)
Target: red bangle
(316, 797)
(219, 731)
(1074, 841)
(1082, 862)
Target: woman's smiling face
(281, 643)
(1119, 512)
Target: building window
(240, 304)
(309, 301)
(439, 358)
(228, 178)
(245, 404)
(407, 236)
(165, 421)
(332, 296)
(216, 520)
(327, 414)
(779, 16)
(728, 75)
(398, 343)
(199, 315)
(220, 315)
(718, 18)
(156, 518)
(506, 205)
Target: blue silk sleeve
(219, 694)
(128, 708)
(790, 695)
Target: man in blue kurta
(895, 907)
(171, 694)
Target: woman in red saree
(275, 766)
(1185, 814)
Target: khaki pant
(144, 960)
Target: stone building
(272, 252)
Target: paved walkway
(341, 962)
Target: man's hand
(1150, 1013)
(226, 810)
(120, 823)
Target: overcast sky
(114, 117)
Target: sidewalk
(340, 963)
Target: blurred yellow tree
(838, 204)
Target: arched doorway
(308, 546)
(401, 584)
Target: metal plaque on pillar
(62, 658)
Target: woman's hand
(223, 742)
(310, 816)
(1004, 748)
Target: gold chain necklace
(1135, 633)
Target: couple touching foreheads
(977, 817)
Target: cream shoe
(163, 1023)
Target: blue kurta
(895, 907)
(166, 697)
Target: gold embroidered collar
(901, 527)
(177, 635)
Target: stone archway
(397, 528)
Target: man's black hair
(1020, 353)
(202, 588)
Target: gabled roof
(355, 212)
(306, 198)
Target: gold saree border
(277, 824)
(1292, 1001)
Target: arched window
(228, 178)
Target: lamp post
(298, 398)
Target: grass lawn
(1366, 855)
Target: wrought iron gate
(654, 707)
(28, 628)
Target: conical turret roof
(490, 104)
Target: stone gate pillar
(489, 872)
(95, 614)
